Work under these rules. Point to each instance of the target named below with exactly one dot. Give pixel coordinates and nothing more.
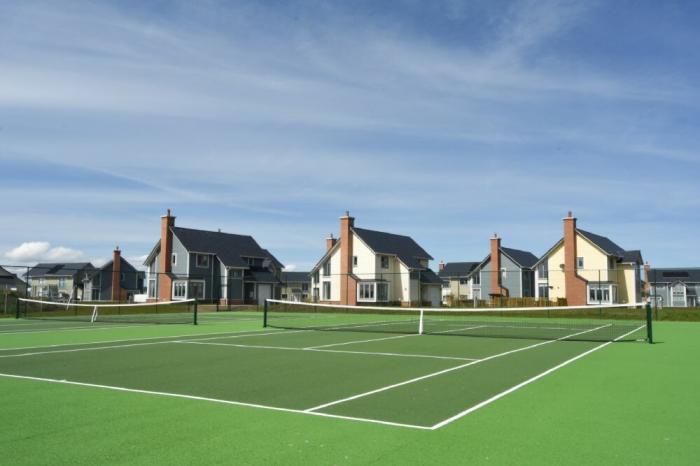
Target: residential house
(505, 272)
(586, 268)
(295, 286)
(210, 266)
(58, 280)
(673, 287)
(128, 280)
(456, 281)
(11, 282)
(367, 266)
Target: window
(414, 275)
(151, 288)
(284, 295)
(236, 273)
(579, 262)
(384, 260)
(373, 291)
(463, 281)
(382, 292)
(180, 289)
(202, 261)
(122, 276)
(327, 290)
(173, 259)
(366, 292)
(601, 294)
(305, 287)
(315, 294)
(544, 291)
(62, 282)
(504, 274)
(477, 278)
(316, 277)
(196, 289)
(543, 270)
(354, 261)
(611, 263)
(327, 268)
(678, 295)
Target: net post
(195, 312)
(420, 323)
(650, 333)
(17, 308)
(265, 314)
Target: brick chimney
(575, 285)
(647, 279)
(166, 250)
(441, 266)
(496, 265)
(348, 286)
(116, 275)
(330, 242)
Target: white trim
(172, 291)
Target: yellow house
(585, 268)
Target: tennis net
(170, 312)
(626, 322)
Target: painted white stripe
(445, 371)
(212, 400)
(528, 381)
(291, 348)
(221, 335)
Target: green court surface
(229, 391)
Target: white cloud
(33, 251)
(290, 268)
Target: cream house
(586, 268)
(367, 266)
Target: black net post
(17, 308)
(265, 314)
(650, 333)
(195, 312)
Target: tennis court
(370, 367)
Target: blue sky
(446, 121)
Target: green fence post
(265, 314)
(650, 333)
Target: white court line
(290, 348)
(73, 350)
(84, 327)
(213, 400)
(393, 338)
(444, 371)
(528, 381)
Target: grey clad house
(11, 282)
(59, 280)
(100, 284)
(505, 272)
(210, 266)
(673, 287)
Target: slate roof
(672, 275)
(260, 276)
(428, 277)
(525, 259)
(457, 269)
(228, 247)
(403, 247)
(59, 269)
(295, 277)
(5, 274)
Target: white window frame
(602, 287)
(368, 292)
(173, 259)
(177, 284)
(196, 261)
(204, 288)
(152, 288)
(327, 268)
(381, 262)
(327, 296)
(685, 295)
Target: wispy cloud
(33, 251)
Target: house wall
(334, 278)
(431, 294)
(595, 262)
(513, 278)
(485, 277)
